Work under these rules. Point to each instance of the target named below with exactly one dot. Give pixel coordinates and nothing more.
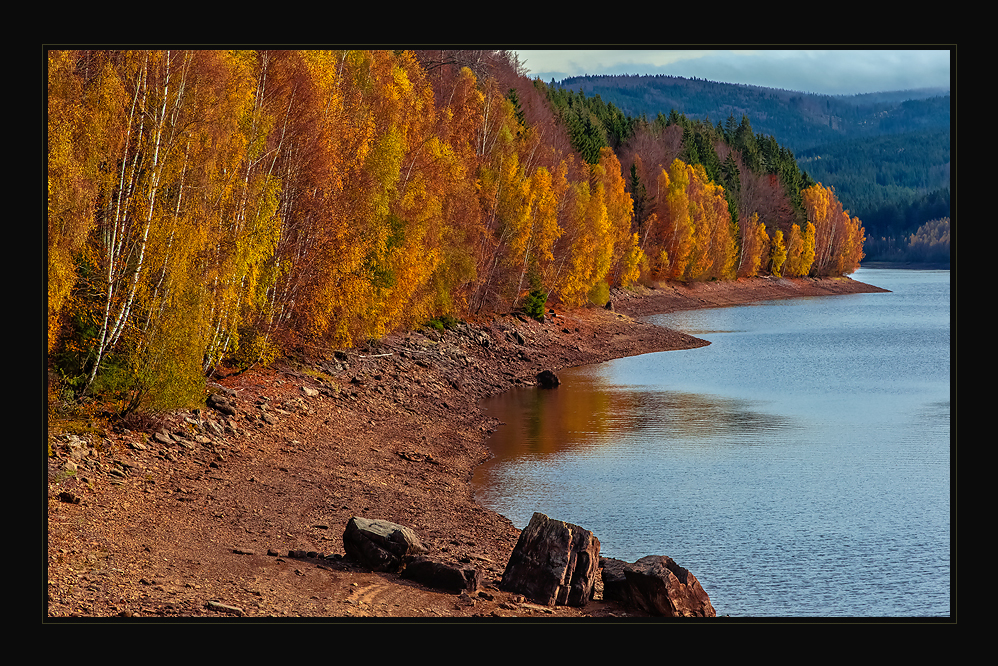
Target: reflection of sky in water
(809, 442)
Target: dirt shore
(195, 515)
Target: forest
(213, 209)
(886, 154)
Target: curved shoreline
(390, 431)
(676, 296)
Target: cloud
(819, 71)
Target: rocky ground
(238, 509)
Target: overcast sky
(829, 72)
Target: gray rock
(380, 545)
(163, 437)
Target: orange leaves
(205, 204)
(838, 239)
(692, 236)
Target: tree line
(210, 208)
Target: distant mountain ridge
(798, 120)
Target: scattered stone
(243, 551)
(380, 545)
(220, 403)
(310, 392)
(215, 429)
(163, 437)
(68, 497)
(416, 456)
(657, 585)
(553, 563)
(234, 610)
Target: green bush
(534, 303)
(443, 322)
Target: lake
(799, 465)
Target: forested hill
(887, 154)
(798, 120)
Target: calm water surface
(799, 465)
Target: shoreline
(206, 507)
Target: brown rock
(220, 403)
(554, 563)
(547, 379)
(657, 585)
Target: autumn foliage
(224, 207)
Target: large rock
(554, 563)
(442, 574)
(657, 585)
(380, 545)
(547, 379)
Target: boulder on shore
(553, 563)
(441, 574)
(657, 585)
(380, 545)
(547, 379)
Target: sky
(826, 72)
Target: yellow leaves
(592, 239)
(807, 252)
(795, 245)
(838, 239)
(850, 251)
(547, 191)
(323, 197)
(690, 232)
(778, 254)
(403, 86)
(632, 262)
(754, 241)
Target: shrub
(534, 303)
(600, 293)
